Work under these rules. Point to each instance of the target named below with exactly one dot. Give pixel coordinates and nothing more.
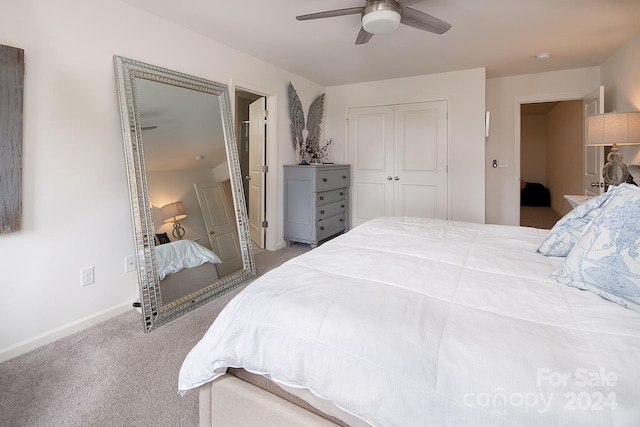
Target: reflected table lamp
(174, 212)
(613, 129)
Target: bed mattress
(413, 322)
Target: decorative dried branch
(314, 118)
(297, 116)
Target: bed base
(232, 402)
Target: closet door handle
(389, 178)
(396, 178)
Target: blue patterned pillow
(605, 259)
(568, 229)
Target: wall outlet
(86, 276)
(129, 263)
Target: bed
(184, 267)
(418, 322)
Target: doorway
(251, 150)
(550, 159)
(243, 95)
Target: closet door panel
(417, 200)
(370, 201)
(370, 153)
(417, 140)
(420, 159)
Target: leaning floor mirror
(188, 209)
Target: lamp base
(615, 172)
(178, 231)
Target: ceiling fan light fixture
(381, 21)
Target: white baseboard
(55, 334)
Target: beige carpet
(538, 217)
(113, 374)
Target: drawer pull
(341, 193)
(341, 206)
(322, 228)
(341, 219)
(321, 197)
(324, 179)
(344, 176)
(322, 212)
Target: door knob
(396, 178)
(389, 178)
(595, 184)
(212, 232)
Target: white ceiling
(501, 35)
(187, 127)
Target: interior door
(593, 156)
(257, 143)
(420, 160)
(370, 154)
(216, 204)
(398, 155)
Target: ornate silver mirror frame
(154, 311)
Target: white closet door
(370, 154)
(216, 204)
(420, 160)
(398, 156)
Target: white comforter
(416, 322)
(176, 256)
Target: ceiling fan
(385, 16)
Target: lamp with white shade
(613, 129)
(174, 212)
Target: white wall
(533, 148)
(75, 202)
(565, 147)
(504, 96)
(465, 92)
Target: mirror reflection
(185, 189)
(189, 188)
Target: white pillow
(568, 229)
(606, 258)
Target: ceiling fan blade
(423, 21)
(331, 13)
(363, 36)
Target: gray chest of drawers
(316, 202)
